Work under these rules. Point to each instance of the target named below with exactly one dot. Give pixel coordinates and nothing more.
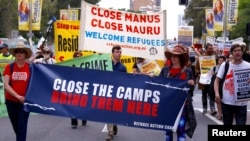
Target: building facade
(145, 5)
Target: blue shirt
(119, 67)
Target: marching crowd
(179, 65)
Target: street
(48, 128)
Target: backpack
(211, 88)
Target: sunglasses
(19, 51)
(46, 52)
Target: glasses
(46, 52)
(19, 51)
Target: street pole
(30, 34)
(225, 21)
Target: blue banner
(106, 96)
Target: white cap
(46, 48)
(242, 43)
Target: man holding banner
(202, 70)
(117, 66)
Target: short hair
(116, 48)
(222, 57)
(235, 46)
(208, 44)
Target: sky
(172, 7)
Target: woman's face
(175, 59)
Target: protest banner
(97, 95)
(206, 64)
(242, 85)
(139, 35)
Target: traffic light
(183, 2)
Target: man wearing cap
(5, 58)
(5, 53)
(245, 55)
(47, 59)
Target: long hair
(221, 6)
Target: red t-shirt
(19, 80)
(175, 71)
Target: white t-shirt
(229, 96)
(49, 61)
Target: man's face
(117, 54)
(4, 50)
(237, 53)
(210, 50)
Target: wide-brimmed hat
(3, 45)
(21, 45)
(178, 50)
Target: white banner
(242, 85)
(139, 35)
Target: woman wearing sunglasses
(16, 79)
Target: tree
(243, 18)
(195, 15)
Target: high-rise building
(145, 5)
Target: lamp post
(225, 21)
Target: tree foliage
(195, 15)
(243, 18)
(50, 8)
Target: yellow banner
(24, 11)
(210, 22)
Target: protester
(135, 67)
(74, 121)
(211, 90)
(178, 59)
(245, 56)
(117, 66)
(23, 11)
(232, 109)
(46, 59)
(16, 80)
(5, 54)
(205, 87)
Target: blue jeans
(231, 111)
(181, 134)
(18, 118)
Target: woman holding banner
(179, 57)
(16, 81)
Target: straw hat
(21, 45)
(178, 50)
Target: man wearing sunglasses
(46, 59)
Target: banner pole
(30, 34)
